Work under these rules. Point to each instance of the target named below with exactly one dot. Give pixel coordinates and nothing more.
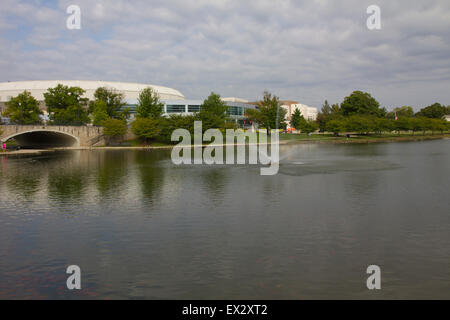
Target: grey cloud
(303, 50)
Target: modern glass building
(236, 110)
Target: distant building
(447, 117)
(309, 113)
(173, 100)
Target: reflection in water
(151, 173)
(141, 227)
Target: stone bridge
(41, 136)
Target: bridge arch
(43, 138)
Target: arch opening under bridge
(43, 139)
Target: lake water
(140, 227)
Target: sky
(306, 51)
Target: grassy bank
(329, 138)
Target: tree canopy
(213, 112)
(66, 105)
(269, 114)
(296, 119)
(23, 109)
(359, 102)
(114, 102)
(436, 111)
(149, 104)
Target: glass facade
(175, 108)
(235, 111)
(193, 108)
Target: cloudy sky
(301, 50)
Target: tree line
(359, 113)
(362, 114)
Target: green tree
(359, 102)
(417, 124)
(66, 105)
(213, 112)
(114, 129)
(173, 122)
(436, 111)
(402, 124)
(269, 114)
(308, 126)
(114, 103)
(149, 104)
(99, 114)
(296, 119)
(326, 114)
(437, 125)
(146, 128)
(359, 123)
(336, 126)
(381, 125)
(23, 109)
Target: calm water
(140, 227)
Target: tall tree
(66, 105)
(23, 109)
(114, 100)
(326, 114)
(296, 119)
(269, 113)
(149, 104)
(359, 102)
(436, 111)
(213, 112)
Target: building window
(235, 111)
(193, 108)
(176, 108)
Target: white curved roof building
(129, 89)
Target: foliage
(66, 106)
(99, 113)
(269, 114)
(326, 114)
(146, 128)
(213, 112)
(360, 124)
(296, 119)
(114, 128)
(23, 109)
(436, 111)
(359, 102)
(149, 104)
(114, 103)
(308, 126)
(336, 126)
(175, 121)
(402, 124)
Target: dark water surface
(140, 227)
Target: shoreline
(338, 140)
